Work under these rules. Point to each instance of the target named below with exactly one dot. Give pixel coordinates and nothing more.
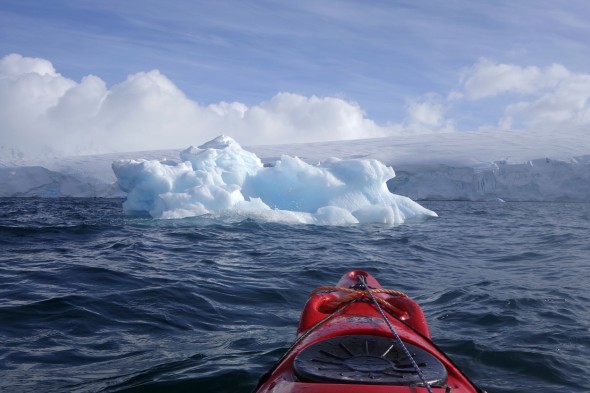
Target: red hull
(311, 365)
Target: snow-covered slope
(467, 166)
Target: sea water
(92, 300)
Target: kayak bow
(345, 345)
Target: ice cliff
(535, 180)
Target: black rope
(396, 336)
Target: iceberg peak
(220, 142)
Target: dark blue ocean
(93, 301)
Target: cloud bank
(45, 113)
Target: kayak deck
(351, 349)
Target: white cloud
(15, 65)
(428, 113)
(29, 87)
(486, 79)
(568, 105)
(310, 119)
(550, 98)
(43, 112)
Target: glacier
(476, 166)
(541, 180)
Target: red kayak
(358, 337)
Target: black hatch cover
(367, 360)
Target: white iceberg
(221, 178)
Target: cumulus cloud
(568, 105)
(310, 119)
(428, 113)
(486, 79)
(528, 97)
(44, 112)
(15, 65)
(525, 98)
(548, 98)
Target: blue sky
(388, 57)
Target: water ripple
(94, 301)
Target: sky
(85, 77)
